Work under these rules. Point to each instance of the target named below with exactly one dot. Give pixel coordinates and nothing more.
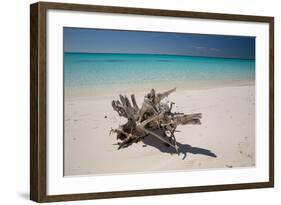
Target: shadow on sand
(183, 148)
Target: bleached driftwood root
(154, 118)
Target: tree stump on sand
(154, 118)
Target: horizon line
(77, 52)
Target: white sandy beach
(225, 139)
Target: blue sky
(118, 41)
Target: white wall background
(14, 101)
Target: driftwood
(154, 118)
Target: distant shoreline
(92, 92)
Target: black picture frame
(38, 101)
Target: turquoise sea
(106, 71)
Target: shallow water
(111, 71)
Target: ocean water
(125, 71)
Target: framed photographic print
(134, 102)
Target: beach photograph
(146, 102)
